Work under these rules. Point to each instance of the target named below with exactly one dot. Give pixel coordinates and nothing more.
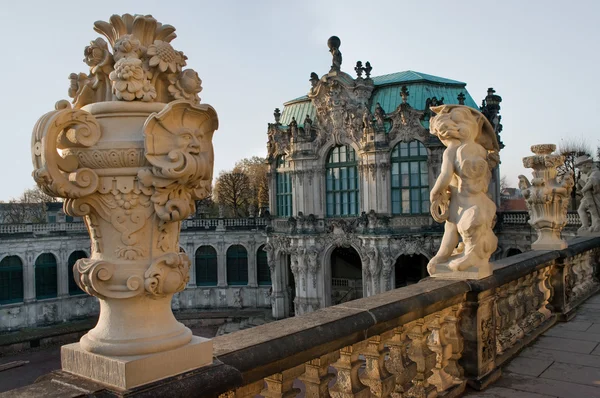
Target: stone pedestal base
(131, 371)
(442, 271)
(549, 245)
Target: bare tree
(256, 169)
(571, 148)
(29, 207)
(233, 191)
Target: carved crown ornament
(131, 155)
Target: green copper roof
(410, 76)
(387, 92)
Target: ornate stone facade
(376, 128)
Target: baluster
(398, 363)
(526, 322)
(347, 383)
(515, 332)
(437, 343)
(376, 376)
(249, 390)
(452, 334)
(544, 292)
(281, 385)
(316, 375)
(502, 318)
(423, 357)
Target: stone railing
(424, 340)
(192, 223)
(431, 337)
(42, 228)
(522, 218)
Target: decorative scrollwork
(97, 278)
(168, 274)
(59, 174)
(178, 143)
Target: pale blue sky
(540, 56)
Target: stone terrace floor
(564, 362)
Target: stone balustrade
(424, 340)
(418, 341)
(191, 224)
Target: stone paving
(564, 362)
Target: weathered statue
(379, 115)
(307, 125)
(589, 186)
(293, 128)
(459, 197)
(334, 48)
(547, 196)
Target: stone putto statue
(589, 186)
(547, 196)
(459, 197)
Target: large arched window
(11, 280)
(410, 179)
(262, 267)
(73, 287)
(206, 266)
(342, 182)
(45, 276)
(237, 265)
(283, 183)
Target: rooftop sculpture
(131, 156)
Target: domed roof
(421, 86)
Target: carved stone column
(130, 156)
(547, 196)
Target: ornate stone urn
(547, 196)
(130, 155)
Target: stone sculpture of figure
(334, 48)
(314, 79)
(379, 115)
(293, 128)
(459, 196)
(307, 125)
(589, 186)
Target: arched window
(11, 280)
(342, 182)
(45, 276)
(283, 190)
(73, 287)
(206, 266)
(262, 267)
(410, 179)
(237, 265)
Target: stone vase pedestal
(132, 171)
(547, 197)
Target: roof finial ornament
(368, 68)
(359, 69)
(277, 115)
(334, 43)
(404, 94)
(461, 98)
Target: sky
(541, 56)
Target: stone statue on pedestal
(459, 197)
(547, 196)
(589, 186)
